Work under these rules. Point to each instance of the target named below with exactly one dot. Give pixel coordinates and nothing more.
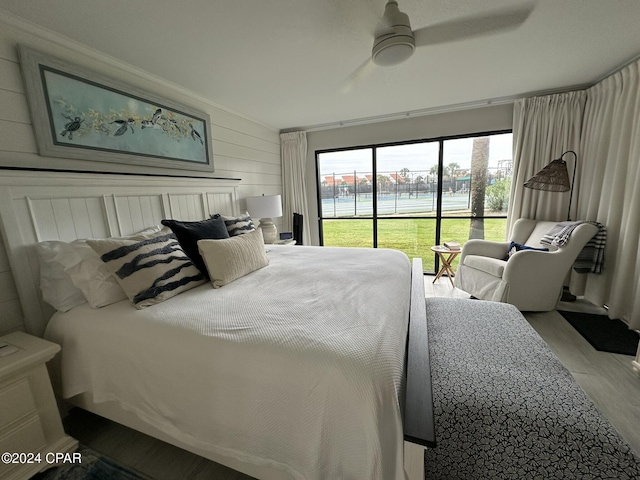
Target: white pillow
(230, 258)
(57, 288)
(93, 278)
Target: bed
(308, 368)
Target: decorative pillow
(188, 234)
(516, 247)
(149, 271)
(234, 257)
(68, 270)
(57, 288)
(239, 225)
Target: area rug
(94, 466)
(602, 333)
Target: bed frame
(43, 205)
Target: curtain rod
(618, 69)
(435, 110)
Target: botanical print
(89, 115)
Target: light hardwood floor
(608, 379)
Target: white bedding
(297, 366)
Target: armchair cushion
(492, 266)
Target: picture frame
(80, 114)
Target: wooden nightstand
(29, 419)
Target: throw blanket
(591, 258)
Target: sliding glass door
(411, 196)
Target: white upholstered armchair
(531, 280)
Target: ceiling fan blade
(470, 27)
(363, 71)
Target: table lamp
(265, 208)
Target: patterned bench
(504, 405)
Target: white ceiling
(285, 63)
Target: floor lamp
(555, 178)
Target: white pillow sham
(72, 273)
(57, 288)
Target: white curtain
(610, 181)
(543, 129)
(293, 148)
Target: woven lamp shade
(552, 178)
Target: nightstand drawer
(27, 437)
(16, 401)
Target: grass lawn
(415, 237)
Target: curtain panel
(293, 149)
(543, 129)
(602, 125)
(610, 182)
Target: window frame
(374, 217)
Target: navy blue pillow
(516, 247)
(188, 234)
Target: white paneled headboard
(39, 206)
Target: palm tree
(419, 181)
(479, 168)
(451, 169)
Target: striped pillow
(151, 270)
(238, 225)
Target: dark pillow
(516, 247)
(188, 234)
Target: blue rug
(93, 467)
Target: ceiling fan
(394, 40)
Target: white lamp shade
(265, 206)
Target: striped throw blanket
(591, 258)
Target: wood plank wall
(242, 148)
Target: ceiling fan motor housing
(394, 41)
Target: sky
(415, 157)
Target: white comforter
(297, 366)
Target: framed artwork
(80, 114)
